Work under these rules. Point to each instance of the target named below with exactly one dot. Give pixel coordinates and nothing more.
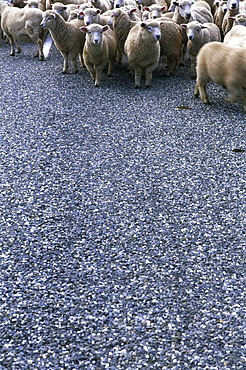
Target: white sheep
(67, 38)
(103, 5)
(155, 11)
(99, 50)
(120, 3)
(201, 12)
(226, 66)
(220, 13)
(142, 48)
(236, 36)
(34, 4)
(199, 34)
(63, 10)
(170, 43)
(232, 11)
(93, 15)
(239, 19)
(121, 24)
(22, 24)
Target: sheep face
(155, 10)
(154, 30)
(192, 29)
(184, 8)
(94, 33)
(48, 17)
(90, 15)
(233, 4)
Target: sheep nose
(154, 17)
(117, 6)
(190, 37)
(157, 37)
(188, 16)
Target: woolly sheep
(120, 3)
(142, 48)
(226, 66)
(103, 5)
(199, 34)
(34, 4)
(67, 38)
(121, 24)
(170, 44)
(99, 50)
(201, 12)
(232, 11)
(220, 13)
(22, 24)
(239, 20)
(63, 10)
(155, 10)
(236, 36)
(93, 15)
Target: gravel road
(122, 216)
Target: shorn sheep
(199, 34)
(22, 24)
(99, 50)
(142, 48)
(68, 38)
(226, 66)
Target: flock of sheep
(100, 32)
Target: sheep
(142, 48)
(120, 3)
(121, 24)
(226, 66)
(239, 19)
(201, 12)
(220, 13)
(236, 36)
(23, 24)
(199, 34)
(63, 10)
(67, 38)
(170, 44)
(99, 50)
(48, 4)
(103, 5)
(155, 10)
(93, 15)
(232, 11)
(34, 4)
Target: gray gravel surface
(122, 221)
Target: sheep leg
(81, 59)
(200, 88)
(234, 94)
(192, 66)
(172, 64)
(148, 75)
(65, 63)
(138, 75)
(90, 68)
(99, 69)
(40, 49)
(74, 62)
(12, 45)
(111, 64)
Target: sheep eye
(149, 29)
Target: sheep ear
(133, 10)
(146, 8)
(184, 26)
(98, 11)
(163, 8)
(232, 18)
(105, 28)
(144, 25)
(83, 29)
(176, 3)
(202, 27)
